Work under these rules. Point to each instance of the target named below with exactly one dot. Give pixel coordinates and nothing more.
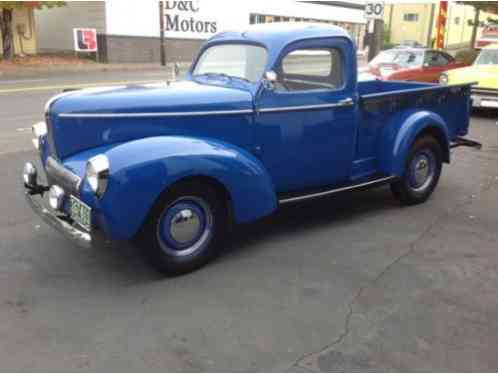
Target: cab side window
(311, 69)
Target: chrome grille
(50, 136)
(485, 91)
(59, 175)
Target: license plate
(81, 213)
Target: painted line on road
(75, 86)
(14, 81)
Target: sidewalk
(16, 71)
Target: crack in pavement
(310, 361)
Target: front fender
(142, 169)
(400, 133)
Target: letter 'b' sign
(85, 40)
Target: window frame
(406, 17)
(448, 58)
(279, 69)
(195, 62)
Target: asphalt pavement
(352, 283)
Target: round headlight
(39, 131)
(30, 175)
(443, 79)
(56, 197)
(97, 174)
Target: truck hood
(90, 118)
(486, 75)
(182, 96)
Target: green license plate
(81, 213)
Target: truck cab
(266, 116)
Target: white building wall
(141, 18)
(132, 18)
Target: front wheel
(185, 228)
(422, 171)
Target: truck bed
(380, 100)
(385, 105)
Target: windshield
(488, 57)
(235, 60)
(401, 58)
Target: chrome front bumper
(57, 221)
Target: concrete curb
(31, 72)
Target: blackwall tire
(422, 172)
(185, 229)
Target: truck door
(306, 125)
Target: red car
(411, 64)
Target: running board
(366, 185)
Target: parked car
(488, 36)
(484, 72)
(269, 116)
(411, 64)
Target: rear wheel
(185, 228)
(422, 171)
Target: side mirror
(425, 65)
(269, 79)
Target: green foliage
(30, 4)
(486, 6)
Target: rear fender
(141, 170)
(402, 131)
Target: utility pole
(376, 39)
(475, 26)
(161, 32)
(431, 24)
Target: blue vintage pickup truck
(266, 116)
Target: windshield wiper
(210, 74)
(224, 75)
(241, 78)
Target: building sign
(85, 40)
(190, 19)
(374, 10)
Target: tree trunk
(475, 26)
(7, 36)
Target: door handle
(345, 102)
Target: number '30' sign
(374, 10)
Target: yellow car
(484, 71)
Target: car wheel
(185, 229)
(422, 171)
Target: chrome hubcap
(185, 226)
(422, 170)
